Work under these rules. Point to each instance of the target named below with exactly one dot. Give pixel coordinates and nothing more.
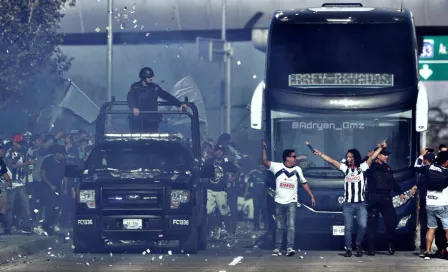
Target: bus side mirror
(422, 109)
(72, 171)
(256, 107)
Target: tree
(438, 125)
(31, 63)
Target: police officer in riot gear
(143, 96)
(380, 183)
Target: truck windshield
(334, 134)
(145, 157)
(359, 56)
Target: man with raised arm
(287, 177)
(354, 193)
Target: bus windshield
(334, 134)
(329, 56)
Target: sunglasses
(292, 156)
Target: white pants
(217, 199)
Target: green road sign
(433, 71)
(433, 62)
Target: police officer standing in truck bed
(143, 96)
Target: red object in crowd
(17, 138)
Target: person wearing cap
(440, 239)
(5, 177)
(226, 173)
(380, 183)
(436, 180)
(54, 185)
(143, 96)
(18, 195)
(426, 159)
(37, 153)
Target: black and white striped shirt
(354, 183)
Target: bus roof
(341, 14)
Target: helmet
(146, 72)
(17, 138)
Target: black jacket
(380, 180)
(145, 98)
(436, 176)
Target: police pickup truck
(141, 188)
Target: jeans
(18, 195)
(260, 210)
(285, 216)
(351, 210)
(51, 203)
(437, 212)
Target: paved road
(217, 258)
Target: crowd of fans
(38, 199)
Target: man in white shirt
(354, 193)
(287, 177)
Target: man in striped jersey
(354, 193)
(287, 177)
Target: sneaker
(348, 253)
(391, 249)
(427, 257)
(276, 252)
(38, 230)
(25, 231)
(422, 253)
(290, 252)
(358, 251)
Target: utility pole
(109, 49)
(227, 75)
(423, 140)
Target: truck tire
(85, 243)
(202, 229)
(202, 237)
(190, 245)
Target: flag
(187, 88)
(79, 103)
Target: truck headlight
(179, 197)
(88, 197)
(398, 202)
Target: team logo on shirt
(286, 185)
(219, 174)
(353, 178)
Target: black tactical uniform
(380, 183)
(144, 98)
